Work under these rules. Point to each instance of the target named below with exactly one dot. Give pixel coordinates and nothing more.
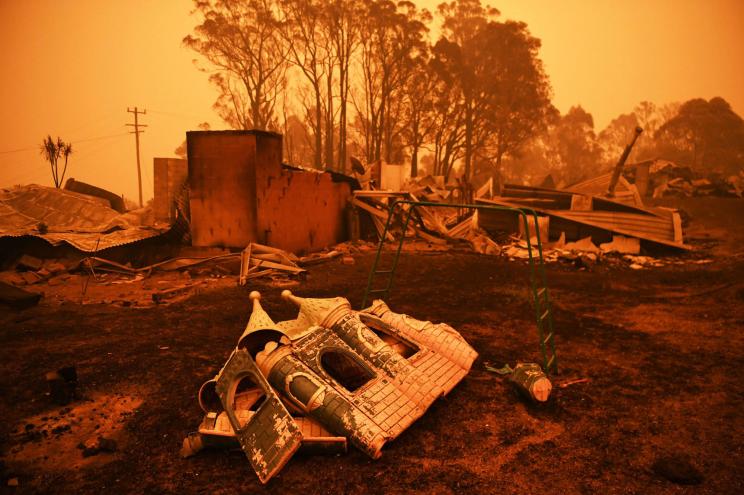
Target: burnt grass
(662, 349)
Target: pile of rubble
(574, 225)
(88, 277)
(668, 179)
(600, 215)
(29, 270)
(330, 377)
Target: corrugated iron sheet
(625, 192)
(664, 230)
(85, 222)
(643, 226)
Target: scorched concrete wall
(240, 193)
(303, 211)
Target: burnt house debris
(330, 377)
(580, 215)
(232, 193)
(600, 211)
(599, 215)
(662, 178)
(233, 208)
(583, 211)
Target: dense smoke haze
(73, 71)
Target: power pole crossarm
(136, 133)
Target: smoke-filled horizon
(73, 70)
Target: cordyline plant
(52, 152)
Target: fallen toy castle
(331, 376)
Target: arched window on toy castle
(345, 368)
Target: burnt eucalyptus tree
(448, 113)
(418, 112)
(517, 95)
(322, 37)
(707, 135)
(493, 70)
(306, 36)
(459, 53)
(242, 41)
(344, 28)
(392, 36)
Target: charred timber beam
(621, 162)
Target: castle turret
(321, 312)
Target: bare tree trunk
(53, 164)
(446, 166)
(64, 171)
(344, 56)
(256, 113)
(438, 152)
(369, 101)
(415, 143)
(343, 84)
(329, 118)
(378, 126)
(497, 176)
(388, 138)
(414, 161)
(468, 139)
(287, 138)
(318, 159)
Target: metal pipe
(621, 163)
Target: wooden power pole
(136, 133)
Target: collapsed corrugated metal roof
(61, 216)
(580, 215)
(625, 192)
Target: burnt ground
(662, 348)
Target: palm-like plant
(52, 152)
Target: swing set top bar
(522, 212)
(540, 295)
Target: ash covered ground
(662, 349)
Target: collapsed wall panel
(222, 187)
(170, 175)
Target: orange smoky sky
(71, 68)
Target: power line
(97, 138)
(96, 123)
(29, 172)
(74, 141)
(100, 137)
(18, 150)
(179, 115)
